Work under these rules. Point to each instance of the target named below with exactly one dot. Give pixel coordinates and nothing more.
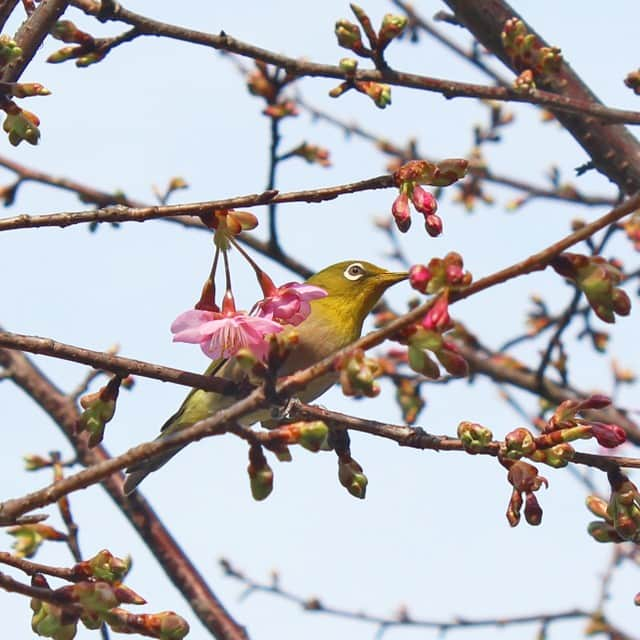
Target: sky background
(431, 533)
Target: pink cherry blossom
(222, 335)
(289, 303)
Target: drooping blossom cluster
(408, 179)
(597, 278)
(223, 332)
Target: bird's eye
(354, 271)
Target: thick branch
(136, 509)
(31, 35)
(613, 150)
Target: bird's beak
(391, 277)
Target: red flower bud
(423, 201)
(433, 225)
(419, 277)
(401, 213)
(608, 435)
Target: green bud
(313, 435)
(261, 481)
(602, 532)
(597, 506)
(47, 622)
(420, 362)
(22, 125)
(352, 478)
(474, 437)
(104, 566)
(348, 35)
(519, 442)
(348, 65)
(94, 596)
(392, 26)
(63, 54)
(425, 339)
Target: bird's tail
(138, 472)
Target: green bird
(335, 321)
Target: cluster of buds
(358, 373)
(525, 480)
(268, 85)
(408, 179)
(88, 50)
(20, 124)
(427, 336)
(597, 279)
(632, 228)
(620, 516)
(94, 599)
(527, 52)
(552, 445)
(440, 274)
(380, 93)
(313, 436)
(29, 537)
(312, 153)
(524, 84)
(551, 449)
(99, 408)
(349, 35)
(9, 50)
(260, 473)
(474, 437)
(633, 81)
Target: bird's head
(354, 287)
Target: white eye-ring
(354, 271)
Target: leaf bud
(473, 436)
(352, 477)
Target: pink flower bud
(433, 225)
(423, 201)
(455, 274)
(608, 435)
(419, 277)
(595, 401)
(437, 318)
(401, 213)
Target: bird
(353, 288)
